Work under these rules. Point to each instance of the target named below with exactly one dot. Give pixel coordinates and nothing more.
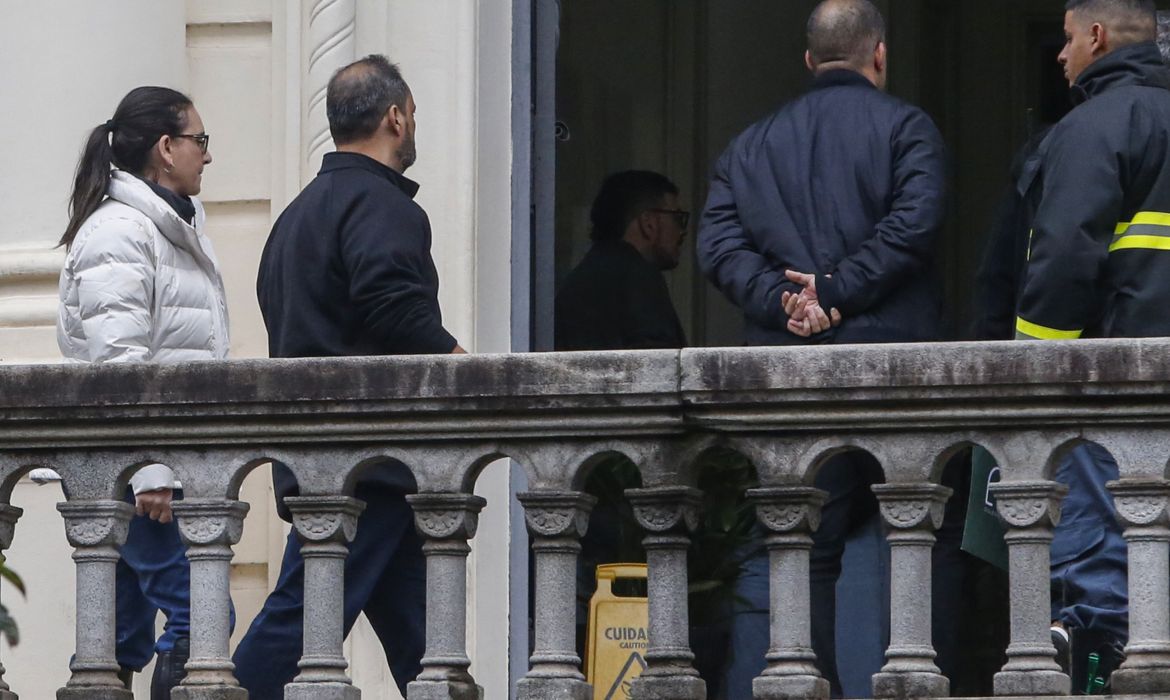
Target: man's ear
(808, 61)
(394, 120)
(1099, 39)
(879, 57)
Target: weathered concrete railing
(446, 417)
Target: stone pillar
(912, 513)
(790, 514)
(1142, 507)
(324, 524)
(8, 517)
(556, 520)
(210, 528)
(1030, 509)
(446, 521)
(95, 530)
(330, 41)
(669, 514)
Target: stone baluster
(790, 514)
(912, 512)
(325, 525)
(1030, 509)
(446, 522)
(95, 530)
(668, 514)
(1143, 508)
(210, 528)
(8, 517)
(557, 521)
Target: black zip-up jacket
(844, 181)
(347, 270)
(1099, 259)
(616, 300)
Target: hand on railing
(156, 504)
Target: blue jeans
(152, 575)
(385, 577)
(1089, 564)
(850, 505)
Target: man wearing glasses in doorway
(616, 298)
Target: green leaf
(8, 627)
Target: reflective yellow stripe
(1028, 330)
(1154, 218)
(1145, 242)
(1149, 230)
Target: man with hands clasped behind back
(820, 225)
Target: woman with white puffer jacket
(141, 284)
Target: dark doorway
(665, 85)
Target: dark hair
(1130, 21)
(143, 116)
(845, 31)
(624, 196)
(359, 95)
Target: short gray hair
(359, 95)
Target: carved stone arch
(99, 474)
(353, 464)
(1031, 455)
(491, 453)
(1141, 453)
(675, 461)
(1061, 451)
(581, 458)
(957, 443)
(817, 453)
(14, 466)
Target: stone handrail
(788, 410)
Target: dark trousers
(847, 478)
(152, 575)
(1089, 576)
(385, 577)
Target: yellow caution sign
(618, 634)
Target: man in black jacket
(616, 297)
(821, 225)
(347, 270)
(1099, 266)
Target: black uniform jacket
(1099, 258)
(347, 270)
(845, 181)
(616, 300)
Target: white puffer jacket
(141, 285)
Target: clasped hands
(805, 315)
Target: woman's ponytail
(91, 181)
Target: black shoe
(1060, 640)
(168, 670)
(127, 677)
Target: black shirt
(616, 300)
(347, 269)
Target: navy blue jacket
(347, 270)
(845, 182)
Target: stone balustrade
(788, 410)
